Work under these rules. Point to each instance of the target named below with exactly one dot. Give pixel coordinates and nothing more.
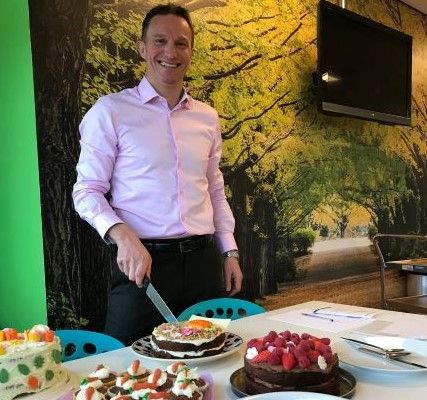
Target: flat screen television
(364, 68)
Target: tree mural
(283, 162)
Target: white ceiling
(420, 5)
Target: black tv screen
(364, 68)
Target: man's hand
(233, 276)
(133, 258)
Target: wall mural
(308, 190)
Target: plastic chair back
(224, 307)
(80, 343)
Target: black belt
(184, 245)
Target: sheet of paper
(321, 322)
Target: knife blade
(382, 355)
(371, 345)
(157, 300)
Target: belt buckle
(188, 245)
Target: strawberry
(325, 340)
(280, 342)
(304, 344)
(261, 357)
(303, 362)
(274, 359)
(322, 347)
(313, 355)
(286, 335)
(288, 361)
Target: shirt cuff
(103, 222)
(225, 241)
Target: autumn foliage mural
(296, 179)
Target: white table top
(370, 384)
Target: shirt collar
(148, 93)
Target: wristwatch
(231, 253)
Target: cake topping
(90, 381)
(290, 350)
(89, 393)
(158, 377)
(136, 369)
(174, 368)
(101, 372)
(195, 329)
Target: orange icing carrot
(33, 382)
(134, 366)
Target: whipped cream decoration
(184, 388)
(174, 368)
(101, 372)
(251, 352)
(93, 382)
(125, 381)
(158, 377)
(89, 393)
(321, 362)
(187, 374)
(181, 354)
(136, 369)
(40, 329)
(140, 393)
(122, 396)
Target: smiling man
(156, 151)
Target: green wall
(22, 284)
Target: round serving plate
(142, 347)
(347, 387)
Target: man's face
(167, 50)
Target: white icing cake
(29, 361)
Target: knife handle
(145, 283)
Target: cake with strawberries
(189, 339)
(30, 361)
(289, 362)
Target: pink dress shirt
(161, 167)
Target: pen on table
(317, 316)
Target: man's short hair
(166, 9)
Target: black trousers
(182, 279)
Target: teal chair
(80, 343)
(224, 307)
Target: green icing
(39, 361)
(23, 369)
(56, 355)
(4, 376)
(49, 375)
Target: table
(370, 385)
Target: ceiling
(420, 5)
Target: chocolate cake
(189, 339)
(289, 362)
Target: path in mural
(342, 271)
(336, 259)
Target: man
(157, 151)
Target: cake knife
(157, 300)
(387, 357)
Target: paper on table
(321, 322)
(222, 322)
(335, 312)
